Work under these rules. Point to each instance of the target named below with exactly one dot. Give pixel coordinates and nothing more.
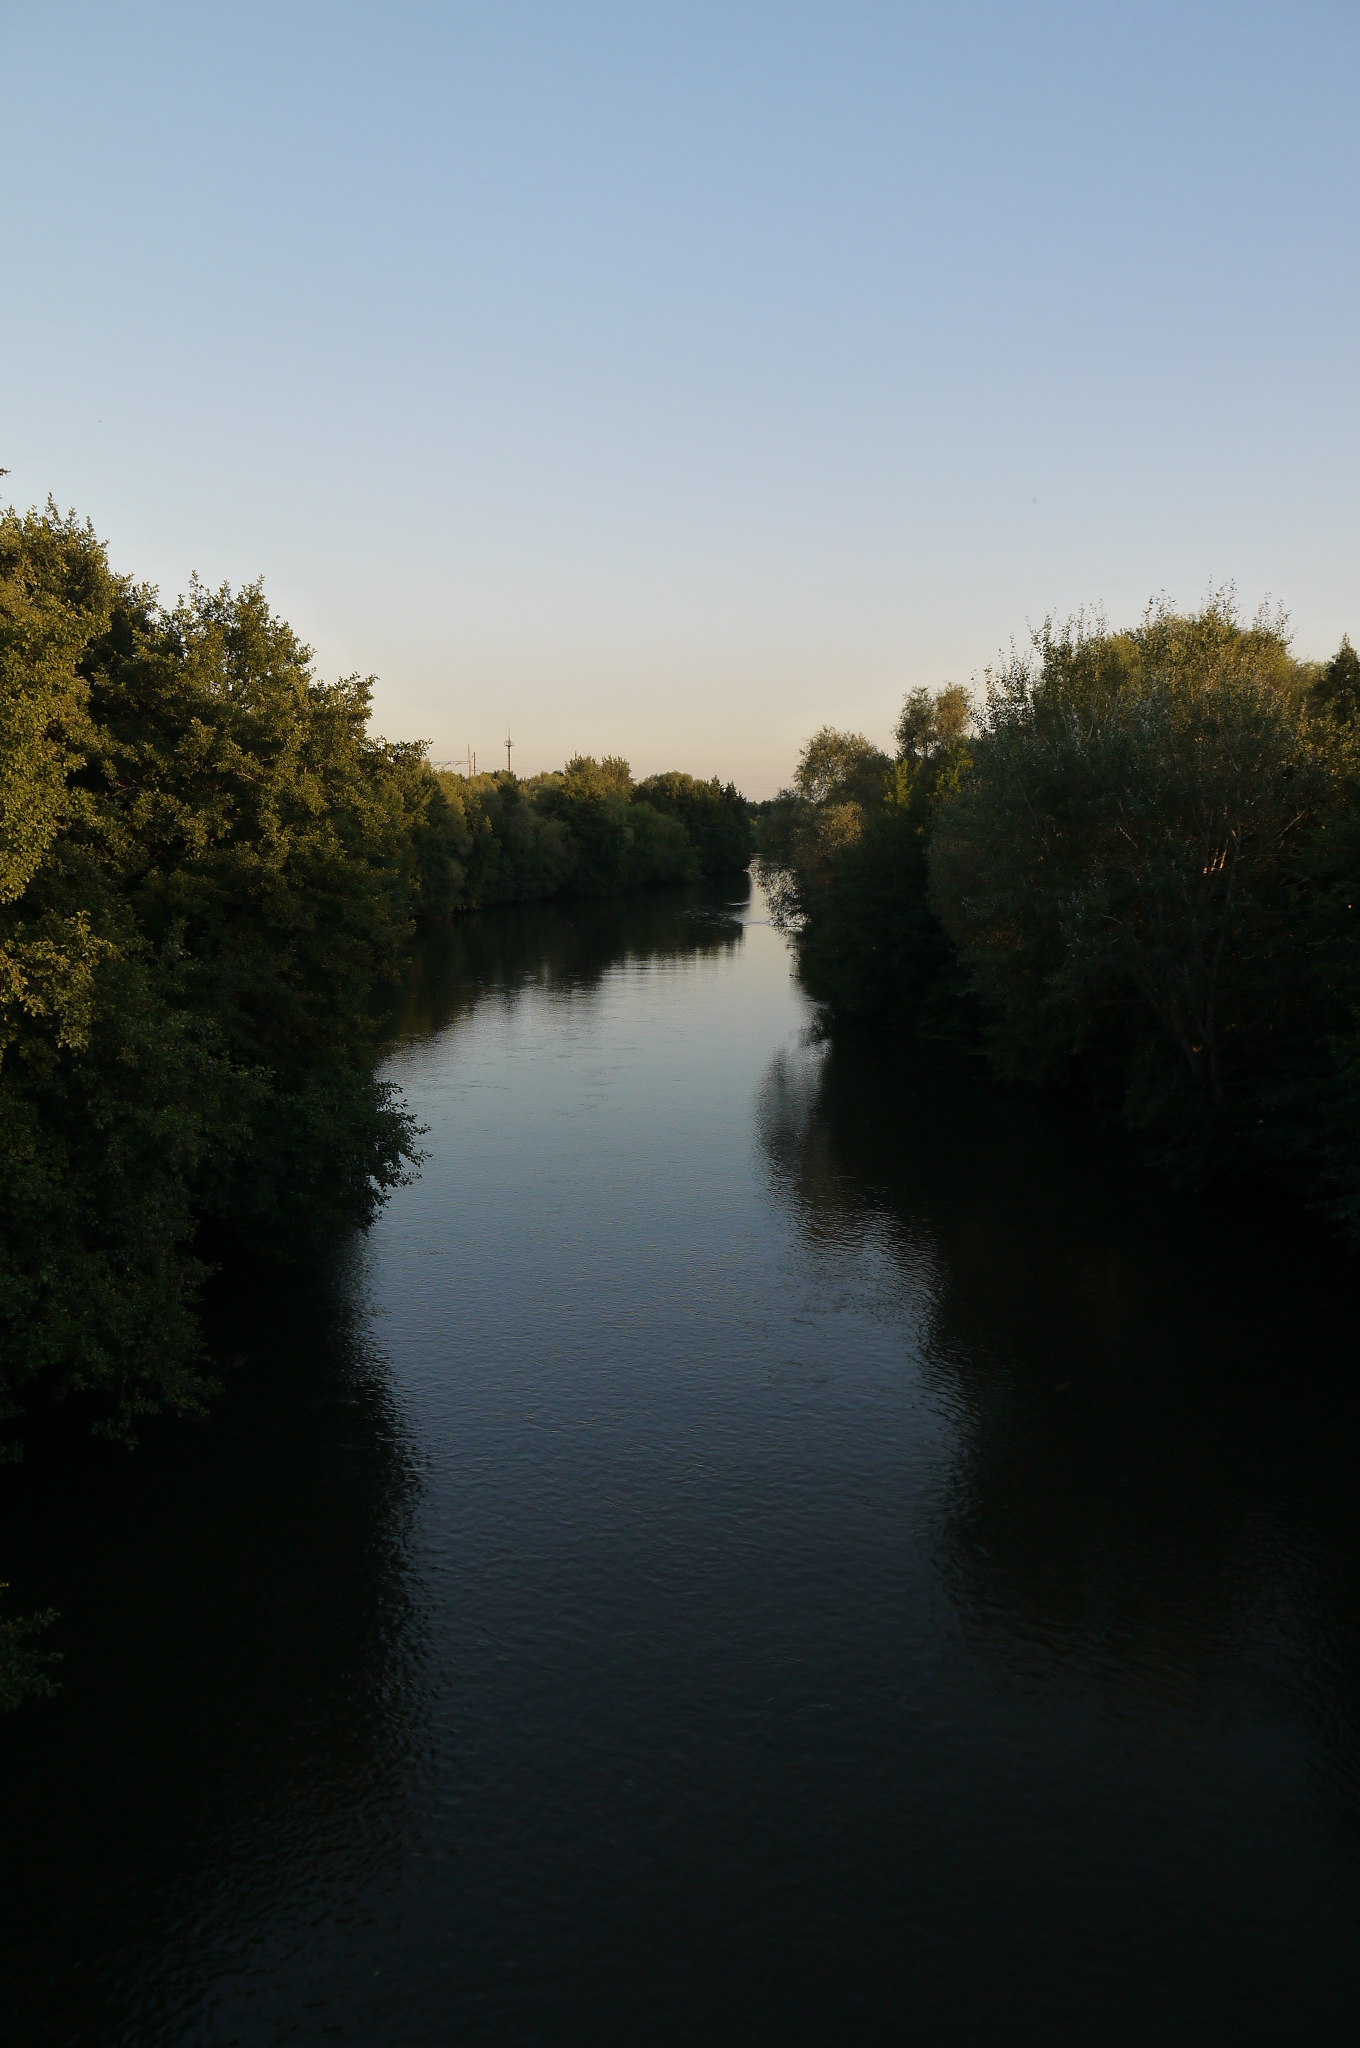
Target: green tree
(844, 860)
(620, 844)
(1337, 689)
(929, 725)
(713, 814)
(1115, 869)
(265, 842)
(210, 869)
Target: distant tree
(618, 844)
(843, 857)
(713, 814)
(505, 846)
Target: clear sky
(672, 379)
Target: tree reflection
(1153, 1400)
(242, 1664)
(566, 946)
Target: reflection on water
(542, 946)
(1156, 1400)
(236, 1623)
(766, 1539)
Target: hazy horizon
(672, 386)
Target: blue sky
(669, 380)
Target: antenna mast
(508, 744)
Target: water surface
(763, 1541)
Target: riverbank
(761, 1531)
(1127, 872)
(210, 872)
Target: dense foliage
(207, 866)
(25, 1672)
(1135, 865)
(845, 858)
(589, 830)
(209, 873)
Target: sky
(671, 380)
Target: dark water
(761, 1543)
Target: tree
(929, 725)
(715, 817)
(1338, 686)
(209, 871)
(843, 858)
(620, 841)
(840, 767)
(1120, 850)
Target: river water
(763, 1541)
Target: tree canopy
(1134, 863)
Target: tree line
(1133, 867)
(586, 830)
(210, 872)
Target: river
(764, 1540)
